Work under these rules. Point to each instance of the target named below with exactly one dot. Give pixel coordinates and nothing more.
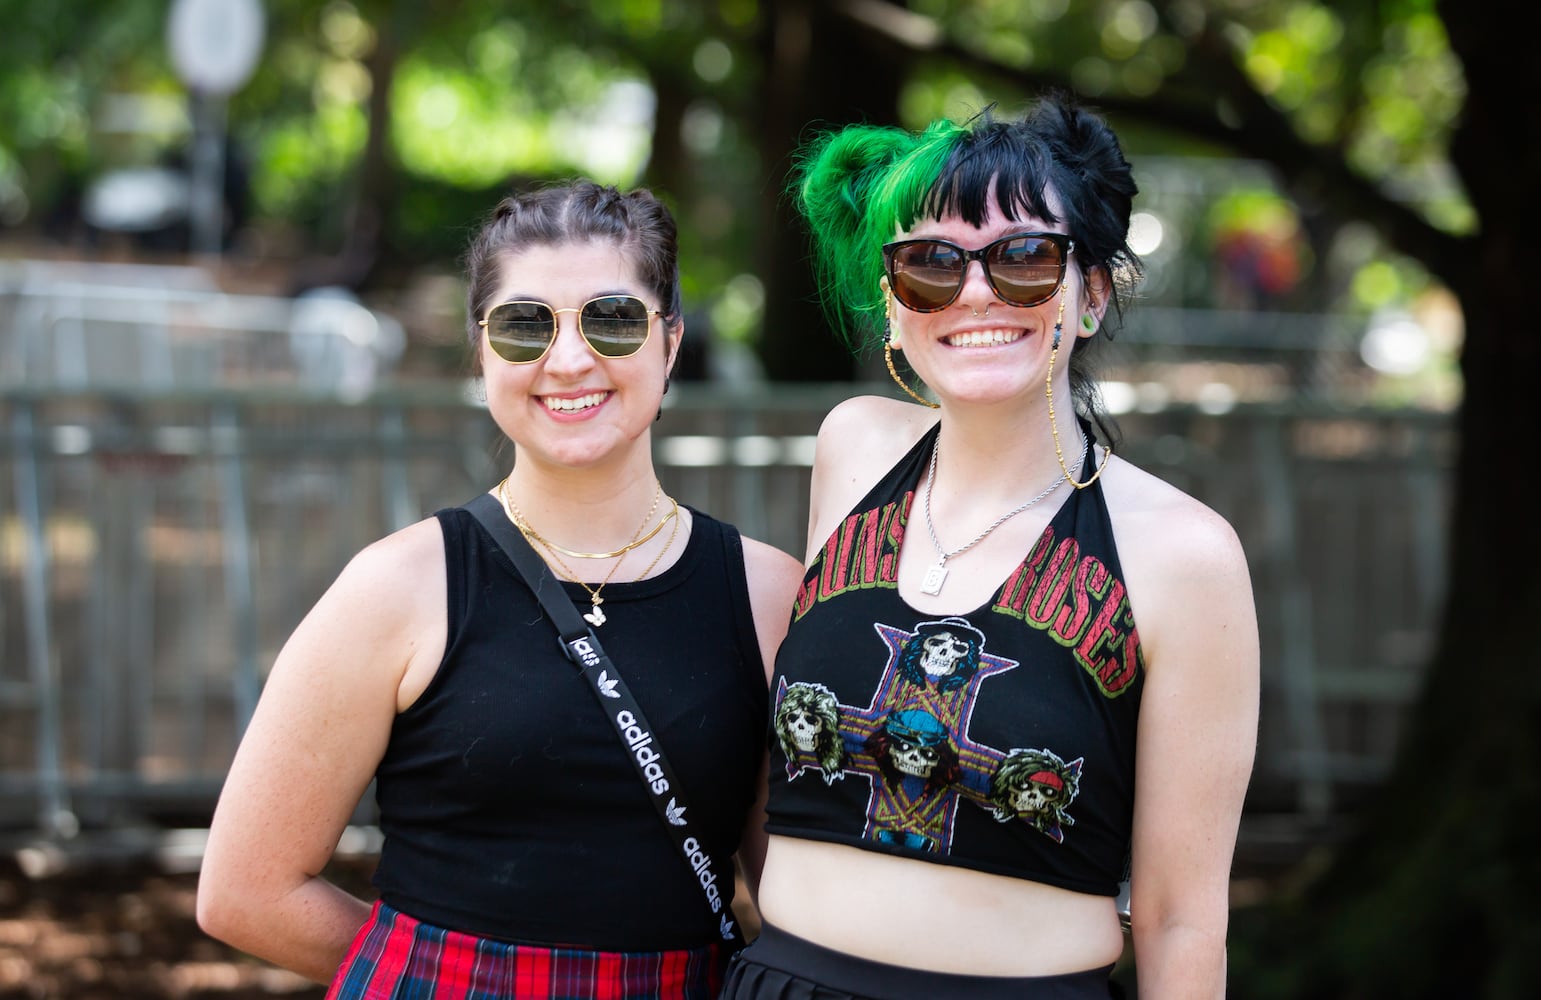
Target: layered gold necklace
(596, 615)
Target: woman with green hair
(1021, 674)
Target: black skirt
(779, 966)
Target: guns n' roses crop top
(1000, 740)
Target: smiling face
(979, 348)
(573, 407)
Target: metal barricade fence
(157, 328)
(156, 550)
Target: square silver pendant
(935, 577)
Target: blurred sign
(136, 199)
(215, 43)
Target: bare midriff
(929, 916)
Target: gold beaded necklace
(595, 615)
(674, 515)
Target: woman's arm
(1197, 740)
(310, 751)
(774, 577)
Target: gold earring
(888, 357)
(1048, 391)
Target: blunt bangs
(993, 162)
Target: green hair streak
(856, 188)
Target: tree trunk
(821, 71)
(1434, 894)
(365, 257)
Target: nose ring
(976, 313)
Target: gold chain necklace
(634, 544)
(517, 516)
(595, 615)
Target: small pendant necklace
(595, 616)
(936, 575)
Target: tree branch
(1194, 103)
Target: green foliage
(467, 126)
(668, 92)
(945, 93)
(435, 220)
(305, 159)
(1415, 91)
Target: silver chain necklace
(936, 575)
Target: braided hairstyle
(576, 211)
(857, 187)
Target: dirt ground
(125, 930)
(121, 927)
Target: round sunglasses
(614, 326)
(1023, 269)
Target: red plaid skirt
(394, 956)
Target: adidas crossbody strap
(582, 647)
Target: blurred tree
(821, 70)
(48, 144)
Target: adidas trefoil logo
(726, 928)
(607, 685)
(676, 814)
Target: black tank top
(509, 808)
(1000, 740)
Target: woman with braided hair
(1041, 661)
(523, 856)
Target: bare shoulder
(878, 428)
(1155, 520)
(774, 577)
(389, 598)
(347, 656)
(765, 561)
(1189, 585)
(859, 440)
(394, 596)
(396, 570)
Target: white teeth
(984, 338)
(579, 403)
